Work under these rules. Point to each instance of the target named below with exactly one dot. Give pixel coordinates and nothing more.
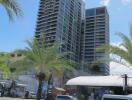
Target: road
(4, 98)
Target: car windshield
(63, 98)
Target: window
(90, 12)
(100, 11)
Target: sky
(14, 34)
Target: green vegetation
(41, 58)
(12, 8)
(45, 59)
(124, 51)
(9, 65)
(4, 69)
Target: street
(5, 98)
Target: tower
(96, 33)
(60, 20)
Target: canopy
(99, 81)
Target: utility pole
(125, 85)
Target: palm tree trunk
(39, 92)
(41, 76)
(49, 83)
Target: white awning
(99, 81)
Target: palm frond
(4, 69)
(126, 55)
(12, 7)
(22, 65)
(131, 33)
(46, 57)
(126, 42)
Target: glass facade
(91, 12)
(69, 26)
(96, 33)
(61, 20)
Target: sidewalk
(5, 98)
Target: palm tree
(124, 51)
(12, 7)
(45, 58)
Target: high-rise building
(96, 33)
(60, 20)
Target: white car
(65, 97)
(32, 95)
(116, 97)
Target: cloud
(126, 2)
(105, 2)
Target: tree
(124, 51)
(12, 8)
(9, 67)
(4, 69)
(45, 58)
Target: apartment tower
(60, 20)
(96, 33)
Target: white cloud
(126, 2)
(105, 2)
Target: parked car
(1, 89)
(116, 97)
(20, 90)
(65, 97)
(30, 95)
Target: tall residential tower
(96, 33)
(60, 20)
